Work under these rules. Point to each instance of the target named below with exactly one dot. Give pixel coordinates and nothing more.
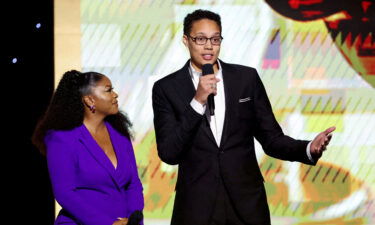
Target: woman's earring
(92, 108)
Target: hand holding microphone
(207, 87)
(134, 219)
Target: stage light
(38, 25)
(14, 60)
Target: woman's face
(104, 98)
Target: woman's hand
(121, 221)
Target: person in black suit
(219, 180)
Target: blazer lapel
(122, 158)
(97, 153)
(231, 89)
(184, 84)
(185, 87)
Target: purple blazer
(86, 184)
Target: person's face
(207, 53)
(104, 98)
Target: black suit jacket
(184, 137)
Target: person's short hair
(198, 15)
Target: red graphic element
(312, 13)
(294, 4)
(333, 23)
(305, 10)
(366, 5)
(350, 23)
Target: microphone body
(135, 218)
(208, 69)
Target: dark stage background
(28, 85)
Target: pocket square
(244, 99)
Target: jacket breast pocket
(245, 109)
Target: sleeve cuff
(309, 153)
(198, 107)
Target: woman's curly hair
(66, 109)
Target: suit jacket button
(221, 152)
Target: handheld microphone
(208, 69)
(135, 218)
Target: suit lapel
(184, 84)
(122, 158)
(185, 87)
(116, 139)
(97, 153)
(231, 89)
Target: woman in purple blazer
(90, 157)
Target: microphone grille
(207, 69)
